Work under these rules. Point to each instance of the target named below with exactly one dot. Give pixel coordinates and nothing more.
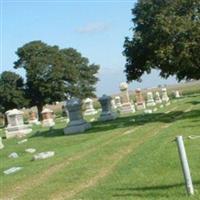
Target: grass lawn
(132, 157)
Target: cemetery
(100, 100)
(117, 156)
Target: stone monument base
(77, 126)
(35, 121)
(149, 104)
(90, 112)
(127, 108)
(48, 123)
(106, 116)
(17, 131)
(140, 106)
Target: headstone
(177, 94)
(148, 111)
(107, 113)
(16, 126)
(30, 150)
(113, 104)
(140, 103)
(22, 141)
(47, 118)
(89, 109)
(157, 98)
(76, 123)
(12, 170)
(150, 100)
(165, 97)
(13, 155)
(126, 106)
(1, 144)
(43, 155)
(118, 101)
(33, 119)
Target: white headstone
(16, 126)
(47, 118)
(150, 100)
(165, 97)
(177, 94)
(118, 102)
(157, 98)
(89, 109)
(30, 150)
(12, 170)
(43, 155)
(1, 144)
(13, 155)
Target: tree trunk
(39, 108)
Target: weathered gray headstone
(43, 155)
(76, 123)
(107, 113)
(16, 126)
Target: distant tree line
(52, 74)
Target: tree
(166, 36)
(53, 73)
(12, 93)
(44, 71)
(84, 79)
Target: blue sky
(95, 28)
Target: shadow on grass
(147, 190)
(126, 121)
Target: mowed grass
(132, 157)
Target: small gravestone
(165, 97)
(47, 118)
(30, 150)
(150, 100)
(13, 155)
(118, 102)
(12, 170)
(43, 155)
(1, 144)
(157, 98)
(140, 103)
(126, 106)
(33, 118)
(16, 126)
(107, 113)
(89, 109)
(76, 123)
(177, 94)
(114, 106)
(22, 141)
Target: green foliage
(166, 36)
(82, 74)
(11, 91)
(53, 73)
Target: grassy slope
(122, 159)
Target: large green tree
(53, 73)
(166, 36)
(44, 71)
(83, 75)
(12, 93)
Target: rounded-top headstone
(123, 86)
(14, 112)
(46, 110)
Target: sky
(95, 28)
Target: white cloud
(94, 27)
